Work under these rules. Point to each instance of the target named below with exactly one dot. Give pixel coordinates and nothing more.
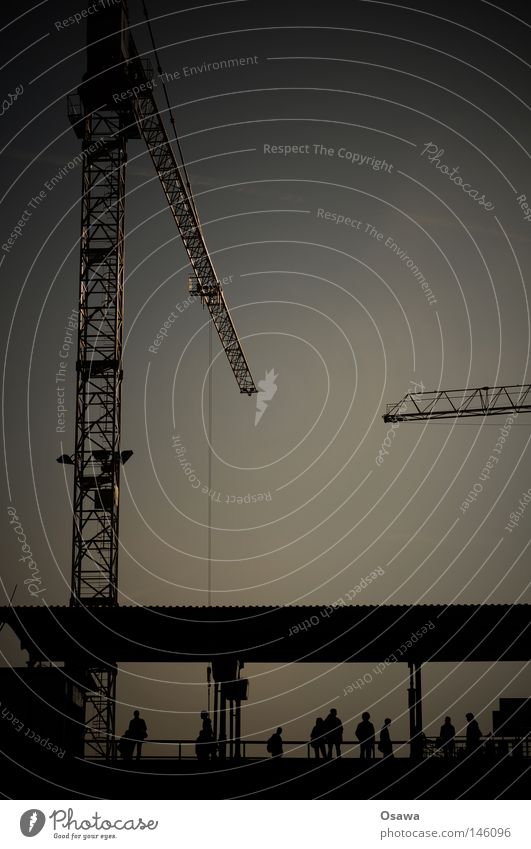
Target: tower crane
(115, 103)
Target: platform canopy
(326, 634)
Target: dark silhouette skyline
(329, 148)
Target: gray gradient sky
(331, 307)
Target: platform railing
(494, 748)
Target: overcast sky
(362, 172)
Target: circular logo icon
(31, 822)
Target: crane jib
(205, 282)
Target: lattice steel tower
(103, 128)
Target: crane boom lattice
(460, 403)
(205, 283)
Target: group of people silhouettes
(446, 739)
(327, 736)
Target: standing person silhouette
(126, 746)
(447, 737)
(274, 744)
(206, 723)
(385, 745)
(137, 733)
(473, 734)
(365, 735)
(207, 735)
(333, 728)
(317, 738)
(203, 746)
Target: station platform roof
(310, 634)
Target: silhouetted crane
(116, 103)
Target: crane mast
(460, 403)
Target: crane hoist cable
(182, 167)
(210, 449)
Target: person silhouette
(206, 723)
(473, 734)
(202, 746)
(385, 745)
(333, 728)
(126, 746)
(137, 731)
(365, 735)
(447, 738)
(274, 744)
(317, 738)
(207, 735)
